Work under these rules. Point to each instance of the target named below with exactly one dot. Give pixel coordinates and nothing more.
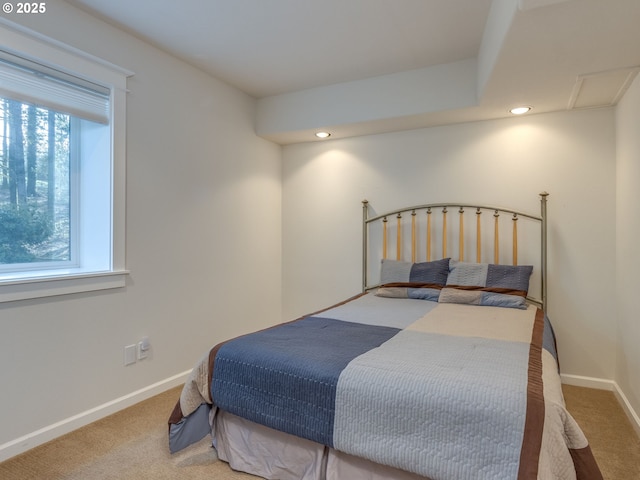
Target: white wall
(507, 162)
(628, 254)
(203, 243)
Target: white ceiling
(367, 66)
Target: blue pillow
(421, 281)
(487, 284)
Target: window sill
(53, 285)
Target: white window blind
(24, 80)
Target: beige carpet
(613, 440)
(132, 444)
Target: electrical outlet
(143, 348)
(129, 355)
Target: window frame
(52, 53)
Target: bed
(442, 368)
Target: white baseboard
(611, 386)
(588, 382)
(33, 439)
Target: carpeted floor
(132, 444)
(613, 440)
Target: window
(61, 169)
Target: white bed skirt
(273, 455)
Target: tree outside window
(35, 202)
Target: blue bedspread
(441, 390)
(286, 377)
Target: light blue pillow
(487, 284)
(421, 281)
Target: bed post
(365, 215)
(543, 214)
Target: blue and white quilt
(445, 391)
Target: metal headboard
(426, 227)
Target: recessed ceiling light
(323, 134)
(520, 110)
